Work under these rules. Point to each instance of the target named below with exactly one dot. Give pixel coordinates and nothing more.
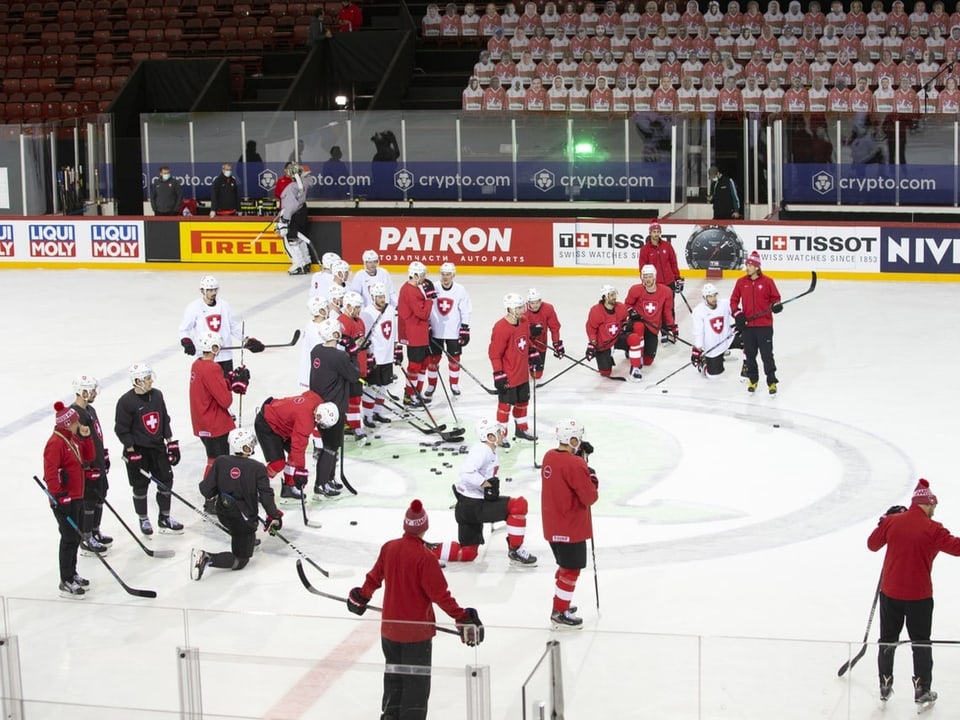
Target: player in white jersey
(210, 313)
(449, 328)
(335, 300)
(380, 319)
(372, 273)
(321, 281)
(311, 337)
(713, 331)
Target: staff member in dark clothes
(225, 195)
(722, 194)
(166, 194)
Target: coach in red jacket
(913, 539)
(753, 302)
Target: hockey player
(712, 332)
(753, 302)
(284, 427)
(372, 273)
(353, 340)
(210, 398)
(381, 318)
(414, 305)
(604, 323)
(95, 472)
(291, 225)
(335, 301)
(543, 319)
(449, 329)
(317, 305)
(650, 309)
(512, 357)
(331, 375)
(143, 427)
(660, 253)
(479, 501)
(569, 488)
(210, 313)
(321, 281)
(64, 455)
(237, 485)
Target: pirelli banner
(230, 242)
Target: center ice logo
(544, 180)
(823, 182)
(403, 180)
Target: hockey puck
(439, 454)
(423, 449)
(353, 522)
(433, 469)
(775, 425)
(664, 391)
(376, 437)
(508, 479)
(396, 457)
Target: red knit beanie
(754, 258)
(416, 521)
(922, 494)
(66, 416)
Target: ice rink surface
(732, 569)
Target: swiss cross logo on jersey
(235, 473)
(522, 344)
(444, 305)
(717, 324)
(214, 323)
(386, 328)
(613, 329)
(151, 421)
(649, 308)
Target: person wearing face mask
(225, 195)
(166, 194)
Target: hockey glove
(491, 488)
(282, 228)
(558, 350)
(536, 330)
(892, 510)
(429, 289)
(470, 627)
(349, 344)
(300, 477)
(398, 354)
(591, 352)
(777, 307)
(91, 474)
(678, 285)
(500, 380)
(173, 452)
(253, 345)
(584, 449)
(133, 458)
(188, 347)
(273, 523)
(356, 602)
(739, 320)
(464, 335)
(239, 379)
(672, 331)
(535, 359)
(106, 459)
(696, 358)
(593, 477)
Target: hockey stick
(472, 376)
(567, 369)
(581, 362)
(343, 477)
(866, 633)
(423, 406)
(261, 233)
(443, 385)
(206, 516)
(454, 435)
(343, 452)
(70, 521)
(596, 582)
(293, 341)
(536, 464)
(309, 586)
(243, 334)
(148, 551)
(684, 298)
(298, 551)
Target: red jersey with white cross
(510, 350)
(656, 308)
(603, 325)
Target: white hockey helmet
(708, 289)
(489, 426)
(208, 340)
(416, 268)
(316, 305)
(326, 414)
(448, 268)
(242, 441)
(377, 289)
(353, 299)
(648, 270)
(341, 267)
(513, 301)
(85, 382)
(533, 295)
(139, 371)
(568, 428)
(336, 292)
(606, 290)
(329, 329)
(370, 256)
(328, 260)
(209, 282)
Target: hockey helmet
(209, 340)
(139, 371)
(85, 382)
(708, 289)
(326, 414)
(329, 330)
(242, 441)
(209, 282)
(328, 260)
(317, 305)
(416, 268)
(489, 426)
(567, 429)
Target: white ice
(731, 558)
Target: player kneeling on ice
(712, 332)
(284, 427)
(237, 485)
(479, 501)
(607, 327)
(568, 488)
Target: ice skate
(369, 423)
(751, 387)
(90, 546)
(923, 696)
(145, 527)
(635, 373)
(71, 589)
(772, 388)
(290, 494)
(381, 419)
(199, 559)
(886, 687)
(361, 437)
(521, 557)
(168, 525)
(523, 434)
(101, 538)
(455, 389)
(565, 620)
(81, 581)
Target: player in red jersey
(542, 318)
(660, 253)
(414, 303)
(651, 311)
(512, 356)
(754, 299)
(604, 326)
(354, 340)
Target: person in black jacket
(238, 485)
(95, 472)
(722, 193)
(143, 427)
(224, 196)
(166, 194)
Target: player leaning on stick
(381, 318)
(95, 472)
(754, 301)
(543, 319)
(414, 304)
(513, 357)
(236, 486)
(449, 329)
